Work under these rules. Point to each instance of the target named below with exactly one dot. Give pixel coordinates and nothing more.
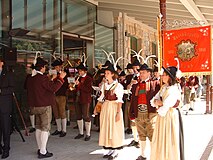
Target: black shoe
(128, 131)
(63, 134)
(111, 157)
(38, 152)
(0, 151)
(106, 156)
(5, 155)
(56, 133)
(133, 143)
(137, 145)
(141, 158)
(87, 138)
(47, 155)
(32, 130)
(79, 136)
(68, 123)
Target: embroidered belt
(142, 108)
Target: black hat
(145, 67)
(107, 63)
(40, 62)
(57, 62)
(122, 73)
(129, 66)
(32, 66)
(101, 71)
(118, 67)
(155, 69)
(82, 67)
(136, 63)
(111, 68)
(171, 71)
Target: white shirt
(84, 75)
(174, 94)
(118, 90)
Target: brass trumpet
(72, 86)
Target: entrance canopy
(147, 10)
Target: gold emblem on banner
(186, 50)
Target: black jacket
(6, 91)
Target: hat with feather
(129, 66)
(145, 61)
(173, 71)
(82, 64)
(57, 62)
(38, 61)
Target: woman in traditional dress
(111, 116)
(167, 141)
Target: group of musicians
(48, 92)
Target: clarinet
(133, 78)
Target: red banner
(192, 46)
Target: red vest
(142, 93)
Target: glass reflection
(103, 41)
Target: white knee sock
(64, 124)
(32, 120)
(44, 139)
(143, 147)
(88, 128)
(68, 115)
(135, 133)
(81, 126)
(38, 138)
(58, 123)
(192, 104)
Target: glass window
(49, 14)
(103, 41)
(27, 48)
(79, 17)
(35, 14)
(17, 13)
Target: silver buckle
(142, 107)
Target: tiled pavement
(198, 131)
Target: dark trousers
(82, 111)
(5, 121)
(5, 128)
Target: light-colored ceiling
(146, 11)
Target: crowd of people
(137, 101)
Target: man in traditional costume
(127, 94)
(134, 80)
(190, 92)
(141, 109)
(84, 98)
(59, 110)
(40, 94)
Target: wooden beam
(194, 10)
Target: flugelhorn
(72, 87)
